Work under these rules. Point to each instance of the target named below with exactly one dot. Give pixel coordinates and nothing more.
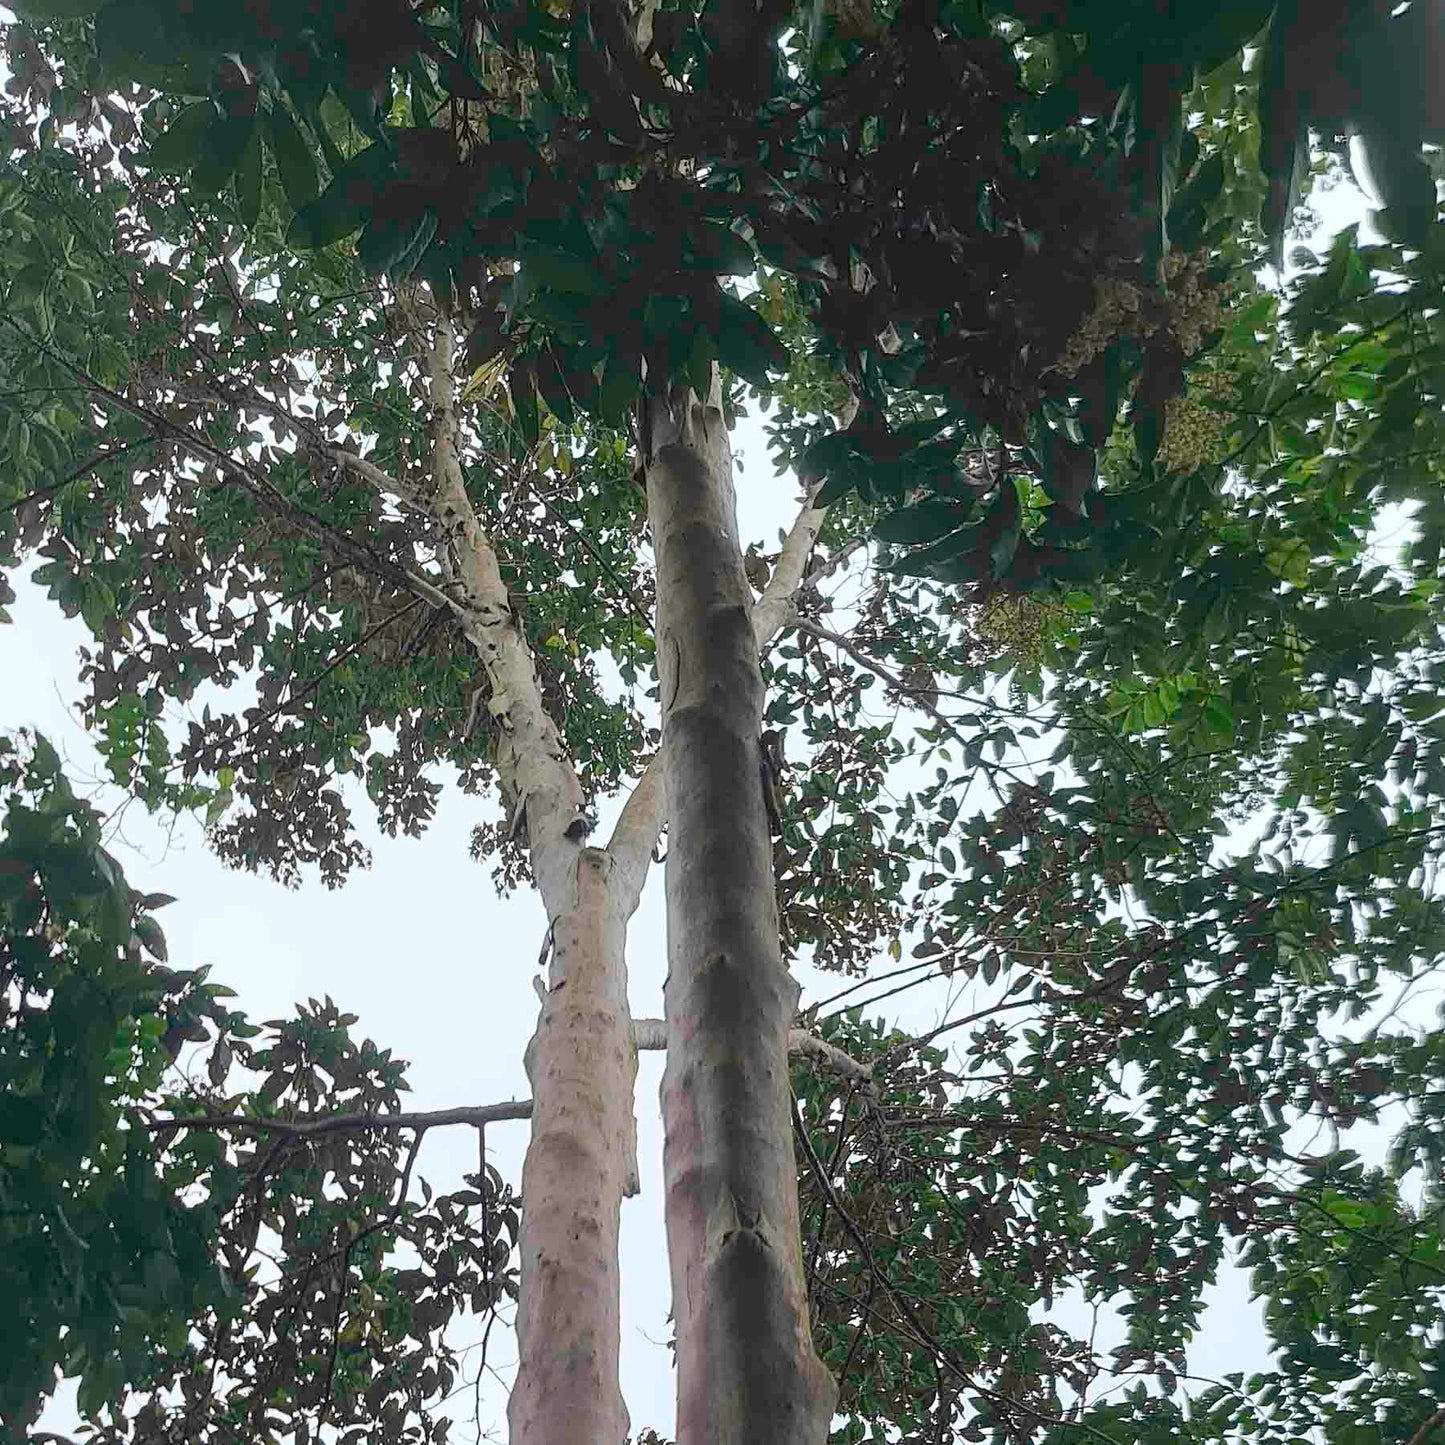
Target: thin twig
(1420, 1435)
(905, 1306)
(638, 610)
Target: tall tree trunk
(747, 1371)
(582, 1065)
(581, 1157)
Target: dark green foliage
(97, 1267)
(956, 180)
(131, 1248)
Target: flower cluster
(1118, 311)
(1017, 627)
(1185, 303)
(1195, 306)
(1192, 428)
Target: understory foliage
(219, 1281)
(1157, 797)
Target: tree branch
(265, 495)
(473, 1115)
(772, 610)
(651, 1034)
(313, 439)
(904, 1304)
(540, 786)
(1420, 1435)
(635, 836)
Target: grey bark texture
(747, 1370)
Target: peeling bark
(747, 1371)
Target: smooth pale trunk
(747, 1371)
(582, 1066)
(581, 1061)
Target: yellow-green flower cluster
(1192, 428)
(1195, 305)
(1017, 627)
(1118, 311)
(1185, 303)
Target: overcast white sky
(439, 969)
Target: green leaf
(1069, 470)
(745, 342)
(1002, 528)
(720, 249)
(248, 180)
(618, 388)
(837, 486)
(1193, 203)
(924, 521)
(393, 246)
(553, 386)
(560, 270)
(524, 399)
(219, 151)
(178, 147)
(938, 558)
(152, 938)
(295, 162)
(342, 208)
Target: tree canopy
(1164, 790)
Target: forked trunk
(747, 1371)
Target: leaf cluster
(201, 1272)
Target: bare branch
(831, 564)
(810, 1046)
(540, 787)
(379, 480)
(652, 1034)
(635, 836)
(772, 609)
(473, 1115)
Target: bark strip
(747, 1371)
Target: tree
(188, 409)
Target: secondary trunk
(581, 1061)
(747, 1372)
(582, 1065)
